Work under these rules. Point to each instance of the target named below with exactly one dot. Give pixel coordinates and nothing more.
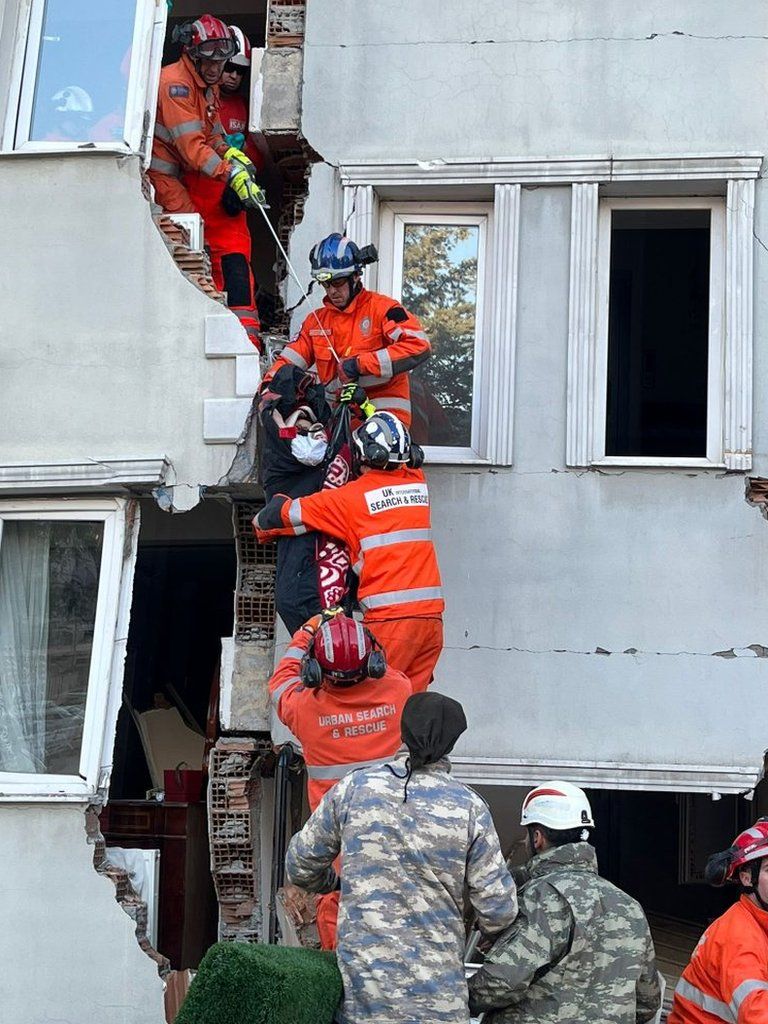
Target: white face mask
(309, 449)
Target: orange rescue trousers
(410, 645)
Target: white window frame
(141, 99)
(394, 217)
(715, 376)
(107, 654)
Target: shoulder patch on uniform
(178, 90)
(396, 313)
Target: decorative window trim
(661, 778)
(729, 434)
(94, 473)
(121, 523)
(383, 174)
(494, 375)
(141, 99)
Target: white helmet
(557, 805)
(243, 55)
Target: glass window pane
(49, 580)
(82, 71)
(440, 288)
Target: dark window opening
(658, 333)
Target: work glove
(235, 141)
(348, 370)
(353, 394)
(312, 625)
(242, 180)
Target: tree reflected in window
(440, 287)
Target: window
(60, 574)
(83, 77)
(435, 258)
(659, 387)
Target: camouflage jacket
(580, 950)
(404, 866)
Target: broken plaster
(750, 651)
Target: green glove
(246, 189)
(233, 153)
(353, 394)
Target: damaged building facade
(570, 197)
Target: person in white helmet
(580, 949)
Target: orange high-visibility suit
(189, 175)
(340, 728)
(727, 977)
(386, 339)
(383, 517)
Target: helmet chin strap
(754, 870)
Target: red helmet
(208, 37)
(749, 845)
(344, 652)
(243, 56)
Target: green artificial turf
(244, 983)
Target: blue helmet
(336, 256)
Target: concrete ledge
(225, 337)
(90, 474)
(247, 375)
(224, 419)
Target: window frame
(714, 458)
(105, 672)
(149, 24)
(394, 216)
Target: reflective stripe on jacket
(340, 729)
(387, 340)
(188, 132)
(727, 977)
(383, 517)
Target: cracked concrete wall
(543, 567)
(540, 78)
(69, 952)
(102, 341)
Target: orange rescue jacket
(384, 519)
(339, 728)
(387, 340)
(727, 977)
(188, 132)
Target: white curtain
(24, 616)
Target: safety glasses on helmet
(234, 69)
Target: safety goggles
(217, 49)
(231, 68)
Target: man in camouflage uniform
(580, 949)
(411, 838)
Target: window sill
(68, 149)
(660, 462)
(435, 456)
(21, 788)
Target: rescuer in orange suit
(357, 335)
(193, 166)
(334, 690)
(727, 977)
(383, 517)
